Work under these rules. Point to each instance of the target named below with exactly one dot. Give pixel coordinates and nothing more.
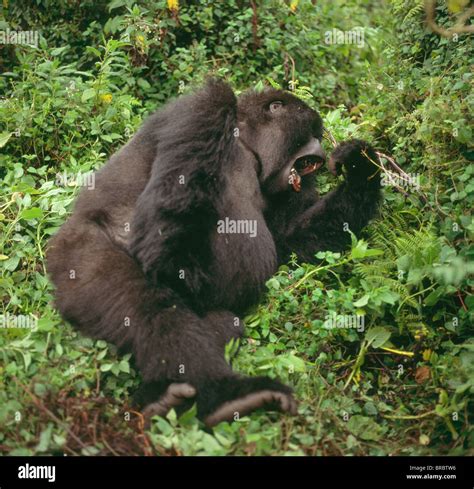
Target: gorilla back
(183, 228)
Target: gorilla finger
(287, 403)
(174, 396)
(179, 392)
(293, 409)
(334, 166)
(283, 401)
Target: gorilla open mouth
(303, 166)
(307, 160)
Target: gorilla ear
(195, 143)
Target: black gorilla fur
(140, 262)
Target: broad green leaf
(362, 301)
(365, 428)
(377, 336)
(4, 137)
(31, 213)
(88, 94)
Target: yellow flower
(106, 98)
(140, 40)
(294, 5)
(427, 355)
(455, 6)
(357, 377)
(173, 4)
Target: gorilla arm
(325, 223)
(175, 212)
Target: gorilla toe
(175, 395)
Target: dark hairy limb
(324, 224)
(176, 212)
(237, 396)
(180, 355)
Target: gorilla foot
(175, 396)
(266, 399)
(229, 398)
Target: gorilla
(185, 225)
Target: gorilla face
(284, 134)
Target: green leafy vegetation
(376, 341)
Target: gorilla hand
(358, 160)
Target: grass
(401, 385)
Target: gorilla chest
(244, 258)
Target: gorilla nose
(313, 149)
(316, 149)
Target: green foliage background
(404, 385)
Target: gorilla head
(153, 273)
(285, 135)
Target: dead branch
(459, 27)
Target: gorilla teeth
(305, 166)
(310, 168)
(295, 180)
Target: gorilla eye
(275, 106)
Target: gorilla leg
(104, 293)
(183, 347)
